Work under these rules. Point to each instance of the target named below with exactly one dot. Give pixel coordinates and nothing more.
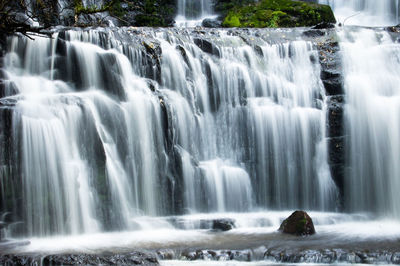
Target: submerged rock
(223, 224)
(298, 223)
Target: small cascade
(192, 12)
(365, 12)
(226, 188)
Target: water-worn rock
(223, 224)
(211, 23)
(395, 29)
(298, 223)
(132, 258)
(207, 46)
(332, 79)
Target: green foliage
(79, 8)
(231, 20)
(149, 21)
(278, 13)
(116, 9)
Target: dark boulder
(211, 23)
(223, 224)
(333, 82)
(395, 29)
(298, 223)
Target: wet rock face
(298, 223)
(132, 258)
(333, 256)
(207, 46)
(395, 29)
(332, 79)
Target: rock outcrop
(298, 223)
(332, 79)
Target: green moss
(278, 13)
(301, 225)
(79, 8)
(232, 20)
(116, 9)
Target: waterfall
(365, 12)
(372, 77)
(192, 12)
(110, 126)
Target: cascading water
(365, 12)
(193, 12)
(372, 78)
(101, 145)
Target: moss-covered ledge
(278, 13)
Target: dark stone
(324, 25)
(182, 50)
(395, 29)
(152, 54)
(335, 116)
(211, 23)
(207, 47)
(336, 150)
(242, 255)
(314, 33)
(223, 224)
(165, 254)
(298, 223)
(132, 258)
(336, 255)
(333, 85)
(189, 255)
(153, 48)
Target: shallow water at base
(252, 230)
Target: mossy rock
(298, 223)
(278, 13)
